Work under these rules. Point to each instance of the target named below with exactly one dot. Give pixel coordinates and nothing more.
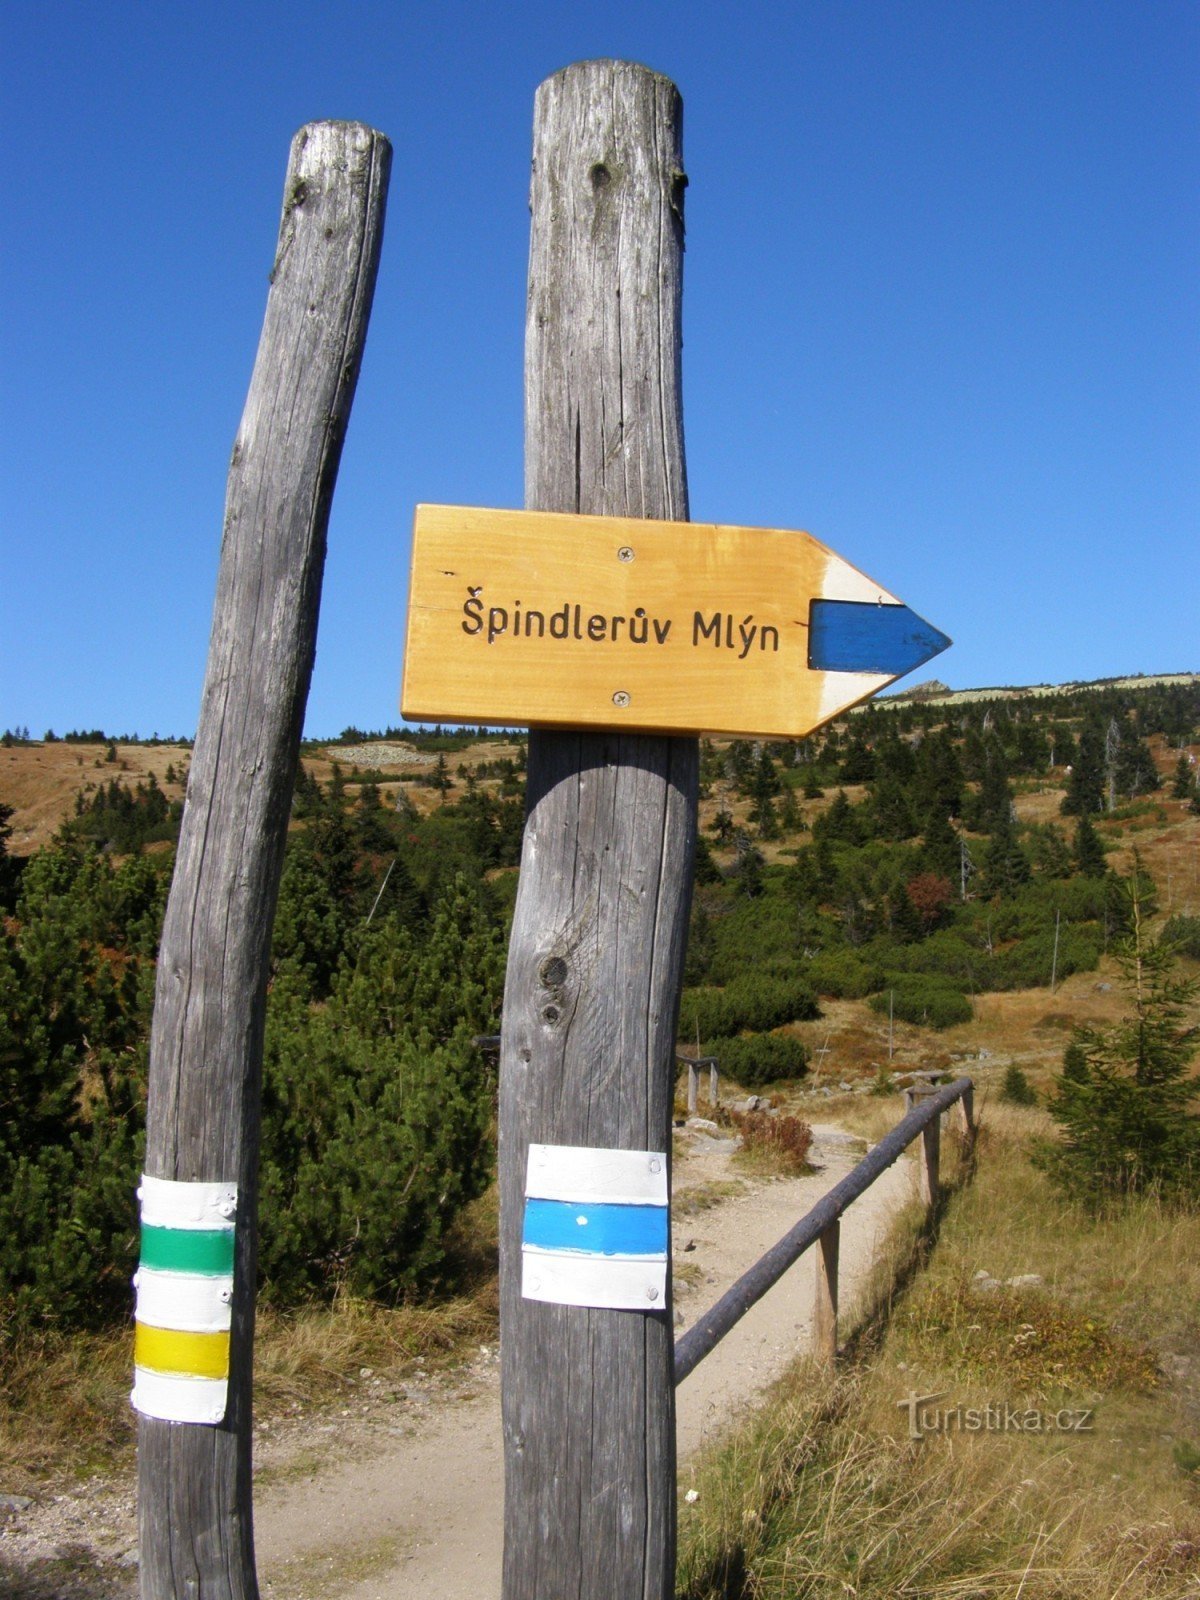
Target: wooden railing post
(596, 957)
(966, 1111)
(931, 1148)
(195, 1518)
(693, 1087)
(825, 1313)
(714, 1085)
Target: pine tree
(839, 822)
(1088, 849)
(747, 869)
(8, 871)
(940, 849)
(1184, 780)
(1135, 770)
(892, 812)
(705, 868)
(763, 787)
(1005, 864)
(858, 764)
(722, 826)
(938, 777)
(995, 802)
(1125, 1095)
(1085, 786)
(377, 1106)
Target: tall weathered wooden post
(196, 1279)
(595, 965)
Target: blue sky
(939, 310)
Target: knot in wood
(554, 972)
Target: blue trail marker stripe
(852, 636)
(592, 1229)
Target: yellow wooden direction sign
(529, 617)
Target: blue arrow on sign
(853, 636)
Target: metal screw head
(621, 698)
(625, 553)
(652, 1294)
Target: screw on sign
(556, 621)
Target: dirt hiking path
(402, 1495)
(423, 1514)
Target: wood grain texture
(825, 1310)
(595, 963)
(967, 1117)
(195, 1517)
(930, 1163)
(542, 618)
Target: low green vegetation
(377, 1108)
(883, 861)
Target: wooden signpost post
(616, 630)
(195, 1305)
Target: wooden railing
(821, 1226)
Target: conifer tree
(858, 763)
(1125, 1100)
(1088, 849)
(940, 850)
(1085, 786)
(889, 803)
(1135, 771)
(790, 819)
(1005, 864)
(1184, 781)
(8, 873)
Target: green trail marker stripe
(204, 1250)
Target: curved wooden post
(596, 960)
(194, 1514)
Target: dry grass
(773, 1144)
(40, 781)
(64, 1406)
(691, 1201)
(64, 1403)
(824, 1494)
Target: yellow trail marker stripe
(198, 1355)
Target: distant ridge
(935, 693)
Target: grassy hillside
(920, 885)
